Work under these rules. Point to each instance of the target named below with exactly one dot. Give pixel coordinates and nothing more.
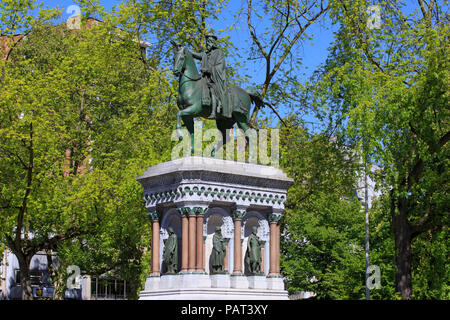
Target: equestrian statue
(207, 94)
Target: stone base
(213, 294)
(220, 281)
(275, 283)
(192, 280)
(213, 287)
(238, 281)
(258, 282)
(152, 283)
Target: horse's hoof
(180, 134)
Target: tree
(75, 108)
(323, 242)
(289, 22)
(387, 89)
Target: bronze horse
(189, 99)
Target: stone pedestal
(239, 281)
(168, 281)
(194, 280)
(275, 283)
(258, 282)
(220, 281)
(152, 283)
(194, 196)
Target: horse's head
(179, 61)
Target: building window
(36, 277)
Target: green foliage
(81, 118)
(323, 243)
(82, 113)
(382, 249)
(431, 264)
(386, 90)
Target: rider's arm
(197, 55)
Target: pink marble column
(274, 220)
(237, 217)
(200, 266)
(184, 242)
(272, 262)
(155, 244)
(192, 240)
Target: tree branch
(15, 155)
(252, 30)
(415, 172)
(23, 208)
(271, 106)
(270, 72)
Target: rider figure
(213, 68)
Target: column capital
(238, 214)
(188, 211)
(274, 218)
(182, 211)
(200, 211)
(154, 215)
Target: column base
(152, 283)
(238, 281)
(275, 283)
(257, 282)
(168, 281)
(220, 281)
(194, 280)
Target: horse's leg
(192, 111)
(189, 123)
(241, 120)
(222, 126)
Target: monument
(226, 216)
(215, 223)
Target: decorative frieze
(193, 192)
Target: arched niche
(218, 217)
(256, 219)
(170, 218)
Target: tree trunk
(58, 284)
(25, 279)
(402, 233)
